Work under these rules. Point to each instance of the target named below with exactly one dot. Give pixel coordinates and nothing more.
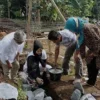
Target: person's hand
(92, 55)
(44, 69)
(17, 58)
(55, 65)
(76, 57)
(2, 99)
(9, 65)
(39, 80)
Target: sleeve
(44, 55)
(7, 53)
(80, 33)
(80, 39)
(32, 68)
(43, 62)
(43, 58)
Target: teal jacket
(77, 27)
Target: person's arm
(20, 48)
(80, 45)
(80, 31)
(56, 54)
(80, 40)
(7, 55)
(17, 56)
(76, 54)
(83, 51)
(80, 51)
(43, 62)
(43, 59)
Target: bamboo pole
(59, 12)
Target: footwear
(86, 84)
(95, 94)
(77, 80)
(85, 74)
(85, 78)
(79, 87)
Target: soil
(63, 89)
(60, 90)
(7, 25)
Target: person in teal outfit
(76, 25)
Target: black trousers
(92, 72)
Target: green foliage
(3, 9)
(80, 7)
(15, 6)
(67, 7)
(21, 94)
(17, 13)
(48, 12)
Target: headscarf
(72, 25)
(76, 27)
(37, 44)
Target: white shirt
(44, 56)
(68, 38)
(9, 48)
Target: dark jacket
(33, 61)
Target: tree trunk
(38, 13)
(29, 18)
(8, 2)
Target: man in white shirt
(11, 46)
(69, 40)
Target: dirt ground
(63, 89)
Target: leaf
(75, 3)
